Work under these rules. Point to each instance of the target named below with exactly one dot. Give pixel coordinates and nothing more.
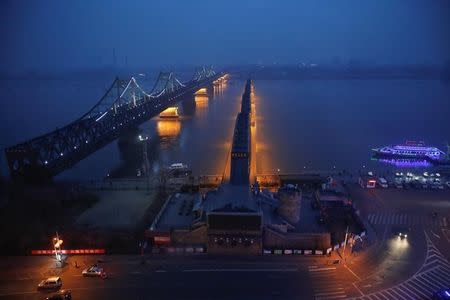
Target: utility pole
(144, 140)
(345, 244)
(57, 246)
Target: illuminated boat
(413, 150)
(170, 113)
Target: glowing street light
(145, 155)
(57, 242)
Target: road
(184, 277)
(411, 268)
(385, 268)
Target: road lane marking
(240, 270)
(354, 274)
(329, 293)
(331, 297)
(429, 281)
(321, 269)
(400, 294)
(354, 284)
(436, 235)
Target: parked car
(61, 295)
(93, 271)
(51, 283)
(382, 182)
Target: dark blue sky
(78, 34)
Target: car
(401, 232)
(382, 182)
(51, 283)
(93, 271)
(61, 295)
(442, 294)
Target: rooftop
(241, 140)
(230, 198)
(178, 213)
(308, 216)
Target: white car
(383, 182)
(93, 271)
(51, 283)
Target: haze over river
(301, 125)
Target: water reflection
(404, 162)
(201, 103)
(168, 132)
(218, 89)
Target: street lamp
(146, 163)
(57, 242)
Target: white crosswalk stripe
(403, 219)
(326, 283)
(432, 276)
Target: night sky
(58, 35)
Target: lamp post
(145, 155)
(57, 242)
(345, 244)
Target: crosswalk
(326, 283)
(405, 219)
(432, 276)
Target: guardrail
(68, 251)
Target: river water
(300, 125)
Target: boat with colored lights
(413, 150)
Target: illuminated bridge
(125, 105)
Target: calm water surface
(301, 125)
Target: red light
(67, 251)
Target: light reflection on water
(301, 125)
(168, 127)
(320, 124)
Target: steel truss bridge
(124, 105)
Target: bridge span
(124, 105)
